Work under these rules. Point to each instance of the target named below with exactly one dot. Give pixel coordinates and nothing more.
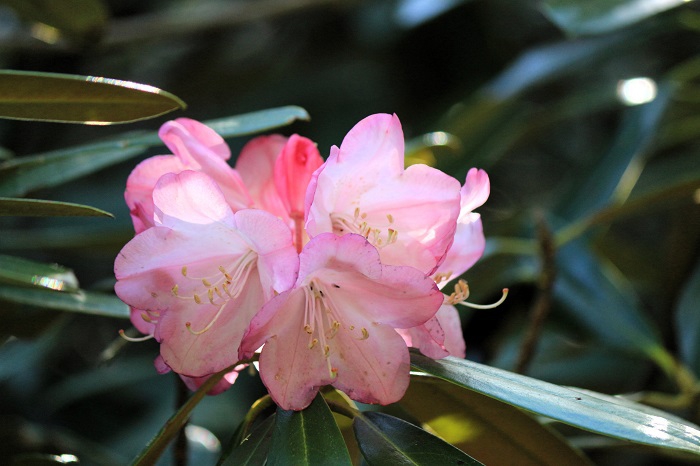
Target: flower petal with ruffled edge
(409, 215)
(336, 326)
(195, 146)
(202, 272)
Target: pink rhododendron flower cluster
(329, 269)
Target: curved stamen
(123, 334)
(209, 325)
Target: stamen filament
(486, 306)
(133, 339)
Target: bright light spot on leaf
(636, 91)
(203, 437)
(696, 196)
(66, 458)
(656, 428)
(48, 282)
(45, 33)
(127, 84)
(455, 428)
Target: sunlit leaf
(488, 430)
(85, 302)
(254, 448)
(41, 459)
(563, 404)
(43, 208)
(600, 16)
(688, 321)
(18, 271)
(308, 437)
(83, 19)
(386, 440)
(22, 175)
(80, 99)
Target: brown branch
(543, 300)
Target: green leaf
(601, 300)
(80, 99)
(22, 175)
(385, 440)
(18, 271)
(85, 302)
(42, 208)
(255, 446)
(78, 18)
(601, 16)
(488, 430)
(623, 421)
(308, 437)
(688, 321)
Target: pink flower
(202, 272)
(336, 326)
(277, 171)
(409, 215)
(442, 335)
(195, 147)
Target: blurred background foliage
(593, 220)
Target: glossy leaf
(83, 19)
(488, 430)
(85, 302)
(254, 448)
(80, 99)
(308, 437)
(42, 208)
(19, 271)
(385, 440)
(569, 406)
(601, 16)
(688, 321)
(25, 174)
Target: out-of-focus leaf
(308, 437)
(630, 145)
(563, 404)
(21, 175)
(80, 99)
(488, 430)
(603, 302)
(254, 448)
(423, 149)
(43, 208)
(41, 459)
(18, 271)
(688, 322)
(601, 16)
(85, 302)
(385, 440)
(79, 18)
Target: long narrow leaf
(84, 302)
(572, 407)
(43, 208)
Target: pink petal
(376, 145)
(193, 383)
(475, 191)
(192, 140)
(293, 171)
(439, 337)
(452, 326)
(256, 166)
(467, 248)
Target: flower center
(323, 320)
(379, 232)
(218, 288)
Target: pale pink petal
(475, 191)
(256, 166)
(189, 198)
(374, 147)
(293, 171)
(193, 383)
(452, 326)
(190, 139)
(440, 336)
(467, 248)
(142, 321)
(140, 184)
(201, 149)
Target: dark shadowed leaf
(488, 430)
(83, 19)
(308, 437)
(254, 448)
(80, 99)
(386, 440)
(600, 16)
(688, 321)
(572, 407)
(43, 208)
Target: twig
(181, 444)
(543, 301)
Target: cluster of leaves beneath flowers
(536, 100)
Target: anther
(210, 295)
(326, 350)
(197, 299)
(357, 212)
(218, 293)
(365, 334)
(206, 282)
(308, 329)
(336, 286)
(390, 218)
(184, 271)
(146, 318)
(174, 290)
(313, 343)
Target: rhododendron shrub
(330, 270)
